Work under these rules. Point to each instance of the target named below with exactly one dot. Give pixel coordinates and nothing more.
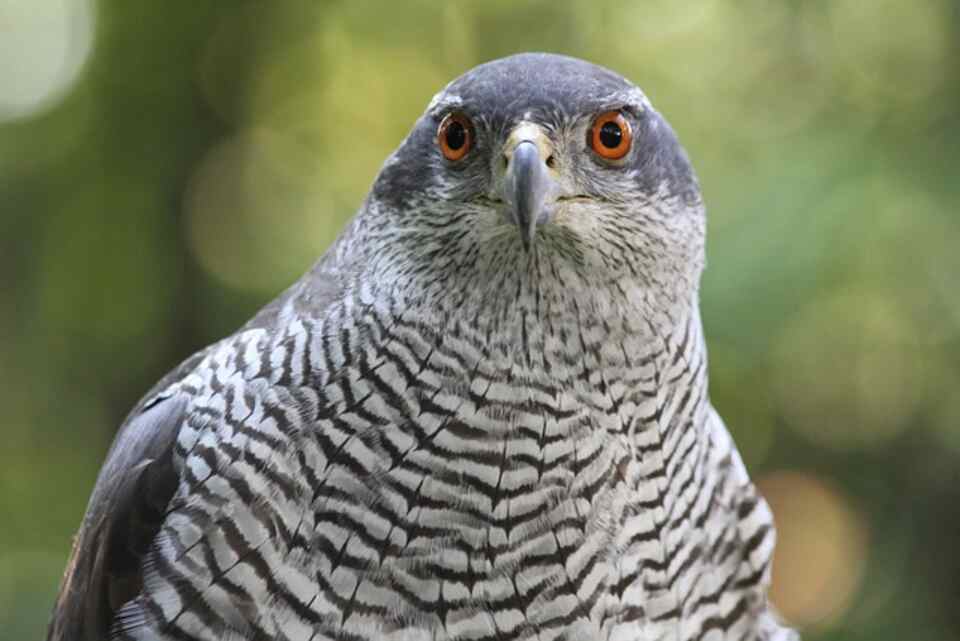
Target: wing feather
(123, 516)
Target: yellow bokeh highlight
(822, 548)
(252, 224)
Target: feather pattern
(438, 435)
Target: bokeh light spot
(43, 47)
(253, 225)
(358, 105)
(822, 548)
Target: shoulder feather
(123, 516)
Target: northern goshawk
(483, 413)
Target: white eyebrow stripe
(443, 101)
(632, 96)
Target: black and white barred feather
(436, 435)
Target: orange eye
(610, 136)
(455, 136)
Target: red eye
(610, 136)
(455, 136)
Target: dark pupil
(610, 135)
(456, 135)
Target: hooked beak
(528, 187)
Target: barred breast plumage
(449, 430)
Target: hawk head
(537, 164)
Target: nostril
(551, 161)
(506, 161)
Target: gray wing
(138, 481)
(124, 515)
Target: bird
(483, 413)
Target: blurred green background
(168, 167)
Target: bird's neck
(575, 343)
(527, 428)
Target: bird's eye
(455, 136)
(610, 136)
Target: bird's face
(538, 158)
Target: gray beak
(527, 188)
